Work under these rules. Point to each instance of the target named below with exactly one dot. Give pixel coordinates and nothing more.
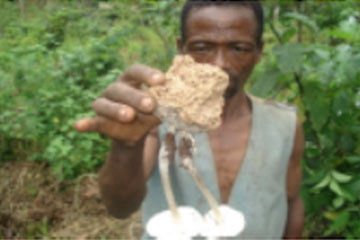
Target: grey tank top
(259, 190)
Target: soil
(34, 204)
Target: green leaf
(290, 57)
(346, 65)
(347, 143)
(348, 195)
(325, 55)
(338, 33)
(330, 215)
(338, 202)
(341, 177)
(335, 187)
(355, 230)
(313, 178)
(354, 187)
(315, 203)
(304, 19)
(343, 102)
(339, 224)
(327, 140)
(317, 102)
(265, 83)
(323, 183)
(349, 236)
(288, 34)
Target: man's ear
(180, 45)
(259, 53)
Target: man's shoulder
(274, 114)
(271, 103)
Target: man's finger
(123, 93)
(140, 73)
(84, 125)
(130, 132)
(113, 110)
(95, 124)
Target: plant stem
(275, 32)
(299, 23)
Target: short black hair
(255, 5)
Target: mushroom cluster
(190, 101)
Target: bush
(56, 62)
(313, 63)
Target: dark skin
(221, 36)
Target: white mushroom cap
(233, 223)
(163, 226)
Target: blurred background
(57, 56)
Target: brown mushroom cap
(192, 97)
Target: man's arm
(124, 113)
(123, 178)
(295, 219)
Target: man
(256, 151)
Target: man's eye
(240, 49)
(201, 49)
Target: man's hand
(124, 112)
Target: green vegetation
(314, 64)
(55, 60)
(57, 57)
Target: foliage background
(56, 57)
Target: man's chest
(229, 145)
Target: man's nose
(220, 60)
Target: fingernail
(157, 78)
(147, 103)
(124, 114)
(81, 125)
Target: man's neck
(236, 107)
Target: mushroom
(233, 223)
(190, 101)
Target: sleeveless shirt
(259, 190)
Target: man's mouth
(232, 88)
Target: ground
(34, 204)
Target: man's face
(225, 37)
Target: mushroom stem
(188, 144)
(187, 163)
(165, 179)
